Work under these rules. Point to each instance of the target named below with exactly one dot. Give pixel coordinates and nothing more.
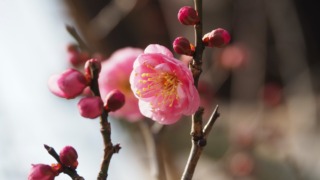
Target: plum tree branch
(198, 133)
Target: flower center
(162, 85)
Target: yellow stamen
(163, 85)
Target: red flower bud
(68, 84)
(92, 64)
(182, 45)
(188, 16)
(90, 107)
(216, 38)
(114, 100)
(69, 157)
(75, 57)
(42, 171)
(72, 48)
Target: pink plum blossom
(115, 73)
(42, 171)
(163, 85)
(68, 84)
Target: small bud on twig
(114, 100)
(90, 107)
(188, 16)
(69, 157)
(181, 45)
(216, 38)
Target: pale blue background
(32, 47)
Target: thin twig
(109, 148)
(67, 170)
(214, 116)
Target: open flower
(163, 85)
(115, 73)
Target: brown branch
(109, 148)
(196, 63)
(67, 170)
(196, 149)
(198, 133)
(214, 116)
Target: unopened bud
(216, 38)
(74, 58)
(42, 171)
(72, 48)
(188, 16)
(114, 100)
(68, 84)
(90, 67)
(90, 107)
(69, 157)
(181, 45)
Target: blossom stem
(69, 171)
(198, 133)
(109, 148)
(196, 63)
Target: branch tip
(116, 148)
(214, 116)
(47, 147)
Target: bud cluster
(68, 158)
(216, 38)
(71, 83)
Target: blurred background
(265, 82)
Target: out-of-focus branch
(73, 32)
(155, 157)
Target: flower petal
(156, 48)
